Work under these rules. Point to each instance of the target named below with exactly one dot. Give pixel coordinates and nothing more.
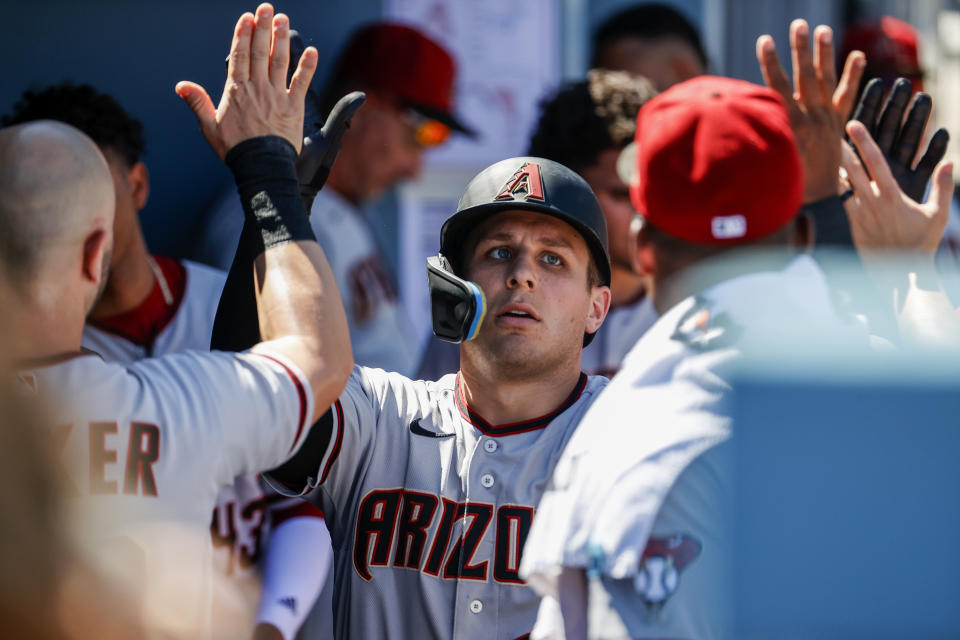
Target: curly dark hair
(97, 114)
(588, 117)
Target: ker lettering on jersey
(436, 536)
(106, 461)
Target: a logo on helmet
(525, 184)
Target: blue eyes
(504, 253)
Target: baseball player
(429, 488)
(584, 127)
(154, 305)
(131, 436)
(634, 537)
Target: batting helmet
(524, 183)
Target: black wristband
(831, 225)
(266, 178)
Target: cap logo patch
(525, 184)
(726, 227)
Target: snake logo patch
(660, 567)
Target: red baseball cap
(402, 61)
(890, 46)
(716, 162)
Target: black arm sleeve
(305, 463)
(263, 169)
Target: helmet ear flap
(457, 306)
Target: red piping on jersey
(142, 324)
(300, 510)
(336, 446)
(301, 395)
(523, 426)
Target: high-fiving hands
(900, 144)
(256, 100)
(817, 105)
(882, 215)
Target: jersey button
(476, 606)
(490, 445)
(486, 480)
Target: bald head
(55, 190)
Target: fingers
(846, 92)
(773, 74)
(935, 152)
(868, 108)
(238, 64)
(199, 102)
(304, 74)
(280, 53)
(942, 190)
(856, 175)
(804, 75)
(260, 46)
(823, 62)
(873, 158)
(892, 115)
(905, 148)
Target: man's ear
(599, 305)
(644, 257)
(139, 179)
(802, 233)
(94, 253)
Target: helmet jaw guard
(457, 306)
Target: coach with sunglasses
(409, 81)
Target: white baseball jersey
(640, 494)
(429, 506)
(178, 316)
(380, 333)
(146, 448)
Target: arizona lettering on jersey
(439, 537)
(427, 502)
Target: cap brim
(444, 117)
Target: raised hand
(255, 100)
(817, 105)
(900, 144)
(882, 215)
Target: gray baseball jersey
(429, 506)
(641, 494)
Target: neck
(47, 323)
(625, 287)
(503, 402)
(131, 280)
(682, 281)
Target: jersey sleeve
(341, 441)
(242, 413)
